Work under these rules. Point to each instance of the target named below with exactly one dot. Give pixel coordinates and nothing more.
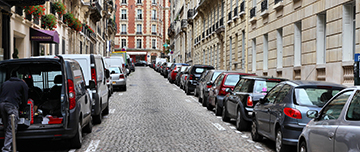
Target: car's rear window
(216, 74)
(199, 70)
(115, 69)
(314, 96)
(232, 79)
(262, 86)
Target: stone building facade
(294, 39)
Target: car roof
(200, 65)
(237, 72)
(304, 83)
(263, 78)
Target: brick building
(141, 27)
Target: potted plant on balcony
(89, 28)
(69, 19)
(77, 25)
(59, 7)
(48, 21)
(37, 11)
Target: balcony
(229, 17)
(111, 26)
(153, 33)
(95, 11)
(203, 36)
(190, 16)
(235, 13)
(23, 2)
(213, 28)
(154, 19)
(264, 8)
(242, 9)
(253, 15)
(110, 7)
(123, 32)
(138, 33)
(93, 36)
(184, 24)
(221, 27)
(278, 4)
(19, 10)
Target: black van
(59, 105)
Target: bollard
(13, 132)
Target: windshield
(216, 74)
(314, 96)
(114, 70)
(263, 86)
(231, 80)
(183, 68)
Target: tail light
(93, 75)
(222, 91)
(208, 86)
(71, 88)
(191, 77)
(185, 77)
(123, 66)
(167, 68)
(249, 102)
(121, 76)
(292, 113)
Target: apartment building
(142, 25)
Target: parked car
(131, 67)
(194, 75)
(64, 105)
(115, 61)
(118, 78)
(174, 70)
(158, 66)
(163, 67)
(281, 115)
(204, 86)
(167, 69)
(336, 127)
(217, 91)
(94, 72)
(140, 63)
(239, 104)
(108, 81)
(184, 76)
(179, 74)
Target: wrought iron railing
(252, 12)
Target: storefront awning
(136, 53)
(44, 36)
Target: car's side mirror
(312, 114)
(263, 100)
(107, 73)
(91, 84)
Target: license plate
(114, 82)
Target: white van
(117, 61)
(93, 67)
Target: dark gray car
(336, 127)
(281, 115)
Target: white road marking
(120, 94)
(187, 100)
(93, 145)
(193, 98)
(250, 141)
(245, 136)
(72, 150)
(232, 127)
(112, 111)
(218, 126)
(239, 132)
(258, 147)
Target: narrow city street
(154, 115)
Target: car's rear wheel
(76, 141)
(241, 124)
(225, 117)
(208, 104)
(97, 118)
(254, 132)
(279, 145)
(88, 127)
(302, 147)
(187, 91)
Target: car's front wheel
(218, 109)
(225, 117)
(302, 147)
(241, 123)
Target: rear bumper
(42, 133)
(191, 85)
(291, 133)
(117, 83)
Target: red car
(218, 88)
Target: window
(123, 28)
(139, 14)
(247, 86)
(266, 51)
(138, 29)
(353, 113)
(271, 96)
(138, 43)
(314, 96)
(254, 55)
(153, 1)
(153, 28)
(230, 55)
(333, 109)
(262, 86)
(138, 2)
(297, 44)
(243, 49)
(238, 85)
(154, 14)
(321, 39)
(123, 1)
(348, 45)
(153, 43)
(123, 43)
(232, 79)
(282, 94)
(279, 47)
(123, 14)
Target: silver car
(118, 78)
(336, 128)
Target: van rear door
(64, 96)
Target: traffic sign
(357, 57)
